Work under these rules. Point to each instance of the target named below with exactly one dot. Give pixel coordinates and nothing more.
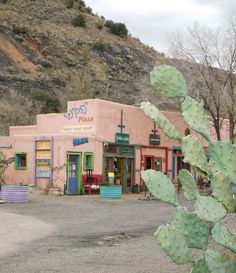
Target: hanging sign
(127, 150)
(121, 138)
(80, 140)
(154, 139)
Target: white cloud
(151, 20)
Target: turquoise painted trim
(174, 148)
(173, 167)
(16, 161)
(79, 173)
(110, 192)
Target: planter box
(110, 192)
(15, 193)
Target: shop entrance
(123, 169)
(152, 162)
(181, 165)
(73, 173)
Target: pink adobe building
(93, 141)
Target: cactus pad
(162, 122)
(194, 153)
(218, 263)
(195, 230)
(200, 266)
(188, 184)
(168, 81)
(173, 243)
(222, 190)
(223, 158)
(160, 186)
(223, 236)
(209, 209)
(192, 229)
(194, 114)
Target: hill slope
(45, 61)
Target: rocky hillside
(46, 59)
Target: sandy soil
(16, 56)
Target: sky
(152, 20)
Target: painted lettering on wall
(74, 112)
(85, 119)
(80, 140)
(79, 129)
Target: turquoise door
(73, 173)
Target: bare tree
(4, 164)
(79, 88)
(213, 55)
(15, 109)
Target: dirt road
(83, 234)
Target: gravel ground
(84, 234)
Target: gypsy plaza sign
(75, 112)
(121, 138)
(80, 113)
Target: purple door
(73, 173)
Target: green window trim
(88, 161)
(21, 161)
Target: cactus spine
(193, 230)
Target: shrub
(3, 1)
(79, 21)
(99, 26)
(70, 4)
(99, 46)
(89, 10)
(118, 29)
(85, 52)
(82, 5)
(19, 29)
(109, 24)
(46, 103)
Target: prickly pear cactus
(223, 158)
(194, 153)
(193, 230)
(179, 252)
(188, 184)
(163, 123)
(195, 116)
(223, 236)
(168, 81)
(160, 186)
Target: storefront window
(43, 158)
(20, 161)
(110, 148)
(88, 161)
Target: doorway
(73, 173)
(152, 162)
(123, 169)
(182, 165)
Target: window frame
(91, 163)
(17, 167)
